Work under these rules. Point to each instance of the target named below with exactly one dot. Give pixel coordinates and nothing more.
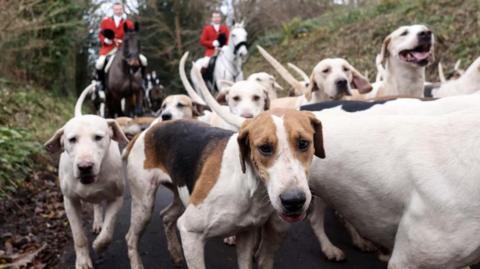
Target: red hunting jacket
(109, 23)
(209, 35)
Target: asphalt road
(300, 250)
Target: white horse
(229, 60)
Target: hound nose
(341, 84)
(85, 167)
(166, 116)
(425, 35)
(247, 115)
(293, 200)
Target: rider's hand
(215, 43)
(107, 41)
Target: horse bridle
(239, 45)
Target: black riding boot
(101, 80)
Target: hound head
(245, 98)
(335, 78)
(179, 106)
(413, 45)
(279, 147)
(267, 81)
(86, 141)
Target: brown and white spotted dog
(133, 126)
(225, 183)
(179, 106)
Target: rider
(214, 35)
(111, 35)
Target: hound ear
(222, 96)
(359, 82)
(55, 143)
(384, 53)
(317, 136)
(266, 105)
(197, 109)
(312, 86)
(244, 144)
(117, 133)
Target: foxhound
(90, 170)
(229, 183)
(331, 78)
(405, 53)
(408, 183)
(244, 98)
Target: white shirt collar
(117, 20)
(216, 26)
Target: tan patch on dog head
(143, 120)
(123, 121)
(255, 136)
(303, 126)
(209, 173)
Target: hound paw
(231, 240)
(83, 262)
(364, 245)
(333, 253)
(100, 244)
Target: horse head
(131, 47)
(238, 39)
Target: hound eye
(345, 69)
(258, 79)
(180, 105)
(164, 106)
(256, 98)
(303, 145)
(236, 98)
(404, 33)
(72, 140)
(266, 149)
(98, 137)
(326, 70)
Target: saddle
(207, 74)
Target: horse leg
(139, 102)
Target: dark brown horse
(124, 79)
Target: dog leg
(246, 242)
(170, 216)
(80, 241)
(105, 236)
(193, 245)
(317, 218)
(273, 232)
(358, 241)
(97, 218)
(142, 207)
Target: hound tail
(287, 76)
(188, 87)
(441, 75)
(225, 114)
(78, 106)
(299, 71)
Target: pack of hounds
(399, 168)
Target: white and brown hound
(228, 182)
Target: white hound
(90, 170)
(405, 53)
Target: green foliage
(357, 34)
(16, 151)
(28, 117)
(40, 41)
(168, 29)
